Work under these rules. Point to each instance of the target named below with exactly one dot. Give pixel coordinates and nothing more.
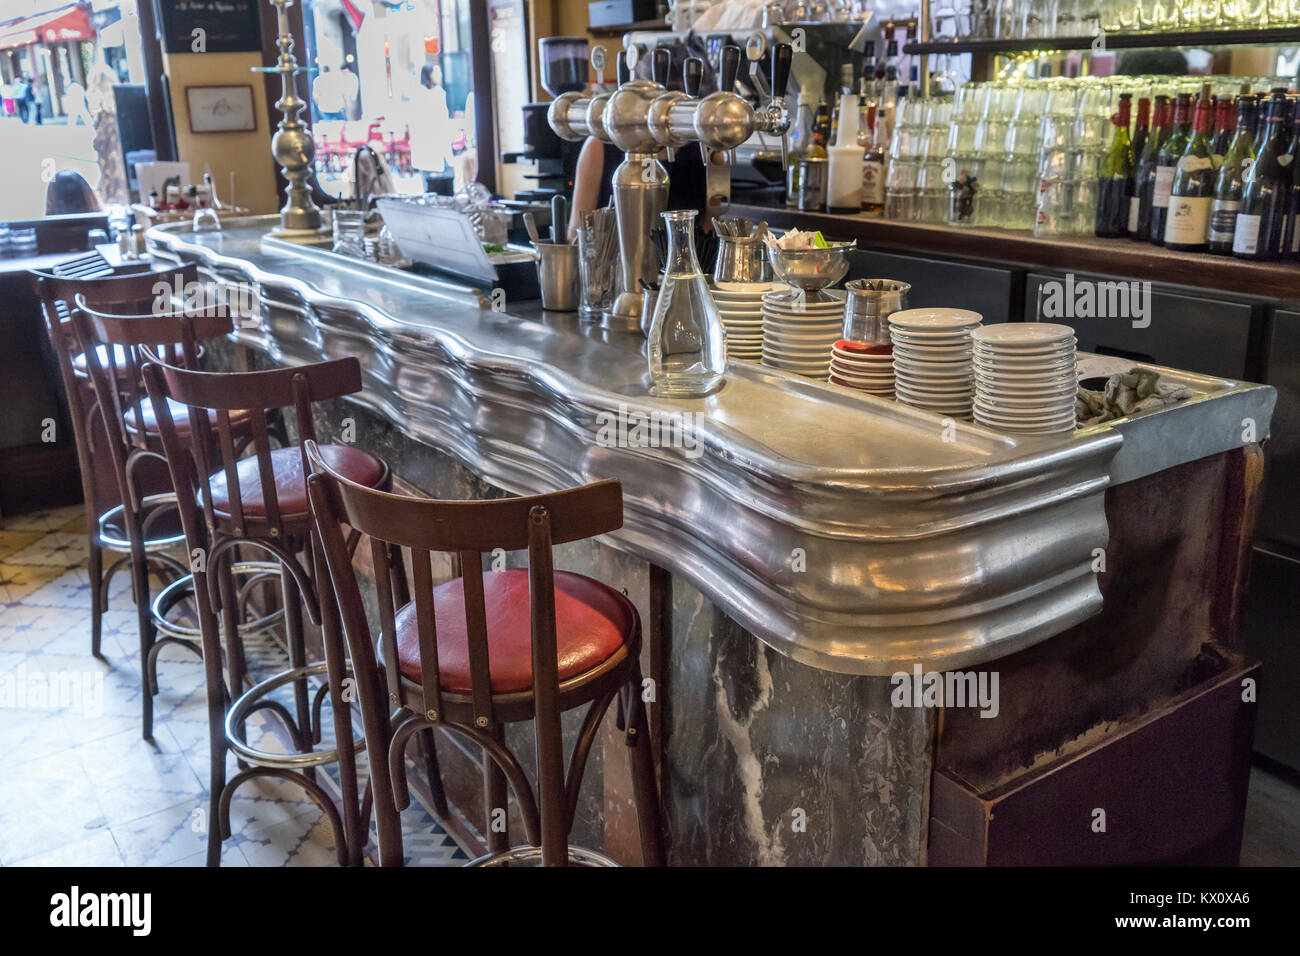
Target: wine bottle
(1291, 247)
(1227, 185)
(1170, 153)
(1192, 191)
(1141, 127)
(1115, 185)
(1224, 128)
(1145, 178)
(1266, 190)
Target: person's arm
(586, 182)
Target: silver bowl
(811, 269)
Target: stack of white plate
(741, 306)
(932, 359)
(868, 368)
(1025, 378)
(798, 332)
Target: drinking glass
(350, 232)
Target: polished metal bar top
(850, 533)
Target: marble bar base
(765, 761)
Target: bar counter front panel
(854, 538)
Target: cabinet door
(1269, 624)
(1179, 328)
(938, 284)
(1279, 519)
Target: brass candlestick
(292, 144)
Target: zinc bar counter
(793, 546)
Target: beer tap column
(640, 186)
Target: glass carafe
(688, 350)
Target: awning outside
(71, 22)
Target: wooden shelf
(1115, 41)
(1123, 258)
(618, 31)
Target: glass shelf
(1116, 41)
(276, 69)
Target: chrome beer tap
(659, 117)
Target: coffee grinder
(563, 69)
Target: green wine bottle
(1192, 191)
(1227, 186)
(1170, 153)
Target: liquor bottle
(1225, 127)
(800, 131)
(1145, 178)
(846, 89)
(821, 132)
(1266, 190)
(869, 61)
(1262, 106)
(873, 162)
(1170, 153)
(891, 62)
(1115, 185)
(1227, 185)
(1141, 127)
(1192, 191)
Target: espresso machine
(642, 116)
(563, 67)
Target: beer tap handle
(782, 55)
(621, 70)
(728, 68)
(660, 61)
(692, 75)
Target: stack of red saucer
(864, 366)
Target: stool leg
(144, 621)
(337, 671)
(96, 570)
(427, 742)
(644, 787)
(496, 795)
(230, 628)
(293, 632)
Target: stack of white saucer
(741, 306)
(798, 331)
(1025, 378)
(932, 359)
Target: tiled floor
(82, 788)
(80, 785)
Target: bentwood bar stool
(488, 649)
(109, 527)
(260, 502)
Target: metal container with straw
(869, 305)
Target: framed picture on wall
(221, 109)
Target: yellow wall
(248, 155)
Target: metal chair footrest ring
(115, 541)
(242, 707)
(532, 856)
(178, 590)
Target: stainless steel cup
(557, 274)
(868, 307)
(741, 260)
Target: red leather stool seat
(592, 621)
(180, 417)
(290, 483)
